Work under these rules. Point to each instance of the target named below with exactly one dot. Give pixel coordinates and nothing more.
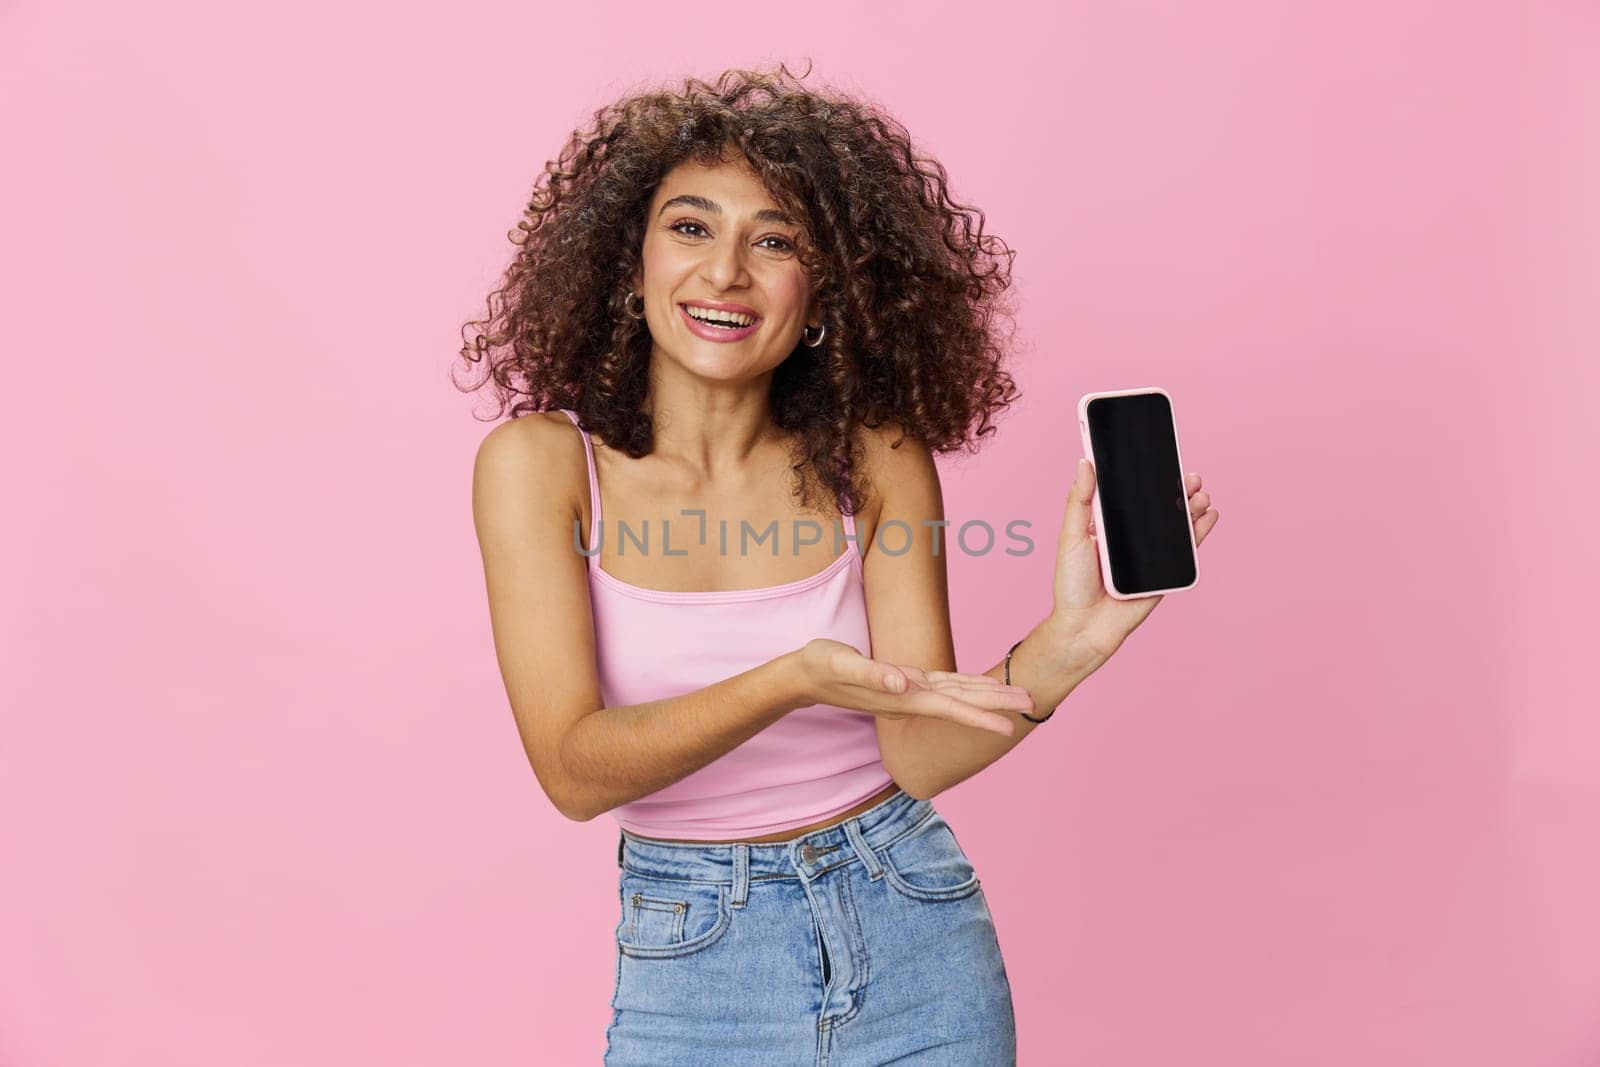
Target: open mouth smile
(715, 325)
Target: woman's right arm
(527, 476)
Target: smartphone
(1141, 506)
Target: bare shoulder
(898, 464)
(540, 435)
(533, 463)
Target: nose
(723, 266)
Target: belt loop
(741, 873)
(852, 830)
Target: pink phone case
(1099, 521)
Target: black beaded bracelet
(1024, 714)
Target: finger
(1204, 524)
(875, 674)
(995, 698)
(957, 676)
(1079, 512)
(1191, 482)
(906, 677)
(1198, 504)
(959, 682)
(1007, 698)
(975, 683)
(953, 710)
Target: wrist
(792, 686)
(1062, 646)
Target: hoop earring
(805, 336)
(627, 306)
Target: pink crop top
(653, 643)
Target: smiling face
(716, 242)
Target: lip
(717, 333)
(718, 305)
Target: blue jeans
(866, 942)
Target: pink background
(261, 799)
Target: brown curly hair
(911, 287)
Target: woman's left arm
(908, 610)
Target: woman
(716, 286)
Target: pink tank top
(652, 643)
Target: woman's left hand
(1086, 617)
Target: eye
(784, 244)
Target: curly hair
(911, 287)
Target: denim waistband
(806, 856)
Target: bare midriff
(790, 835)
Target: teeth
(725, 318)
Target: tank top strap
(594, 487)
(855, 550)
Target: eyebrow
(711, 207)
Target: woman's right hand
(835, 673)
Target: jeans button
(808, 853)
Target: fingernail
(893, 681)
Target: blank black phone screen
(1144, 509)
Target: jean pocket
(927, 863)
(664, 918)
